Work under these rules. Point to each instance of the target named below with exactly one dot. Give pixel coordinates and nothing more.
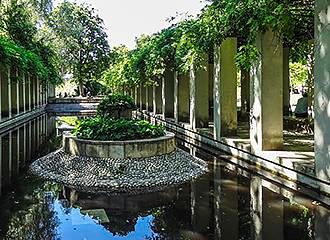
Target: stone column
(4, 93)
(13, 91)
(21, 93)
(168, 93)
(322, 91)
(143, 97)
(10, 104)
(199, 97)
(32, 94)
(157, 98)
(28, 93)
(211, 87)
(136, 96)
(181, 97)
(225, 89)
(245, 91)
(266, 126)
(286, 82)
(149, 98)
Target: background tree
(84, 45)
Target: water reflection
(20, 145)
(228, 203)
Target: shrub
(105, 128)
(113, 102)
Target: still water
(227, 203)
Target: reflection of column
(322, 91)
(272, 216)
(21, 150)
(225, 89)
(256, 207)
(266, 128)
(1, 159)
(217, 199)
(199, 98)
(322, 223)
(14, 153)
(6, 164)
(229, 205)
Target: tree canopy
(183, 44)
(83, 41)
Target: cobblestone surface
(119, 175)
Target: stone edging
(119, 149)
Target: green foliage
(298, 74)
(105, 128)
(19, 43)
(84, 44)
(115, 101)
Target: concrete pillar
(10, 104)
(157, 98)
(266, 126)
(4, 93)
(14, 92)
(181, 97)
(286, 82)
(38, 97)
(225, 89)
(168, 93)
(199, 97)
(322, 91)
(21, 93)
(245, 91)
(137, 96)
(150, 98)
(32, 94)
(211, 87)
(143, 97)
(27, 92)
(256, 207)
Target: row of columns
(184, 96)
(20, 92)
(187, 97)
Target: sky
(127, 19)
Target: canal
(227, 203)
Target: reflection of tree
(34, 217)
(121, 224)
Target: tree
(84, 45)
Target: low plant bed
(107, 129)
(117, 106)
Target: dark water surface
(227, 203)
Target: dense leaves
(105, 128)
(20, 45)
(83, 40)
(115, 101)
(184, 44)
